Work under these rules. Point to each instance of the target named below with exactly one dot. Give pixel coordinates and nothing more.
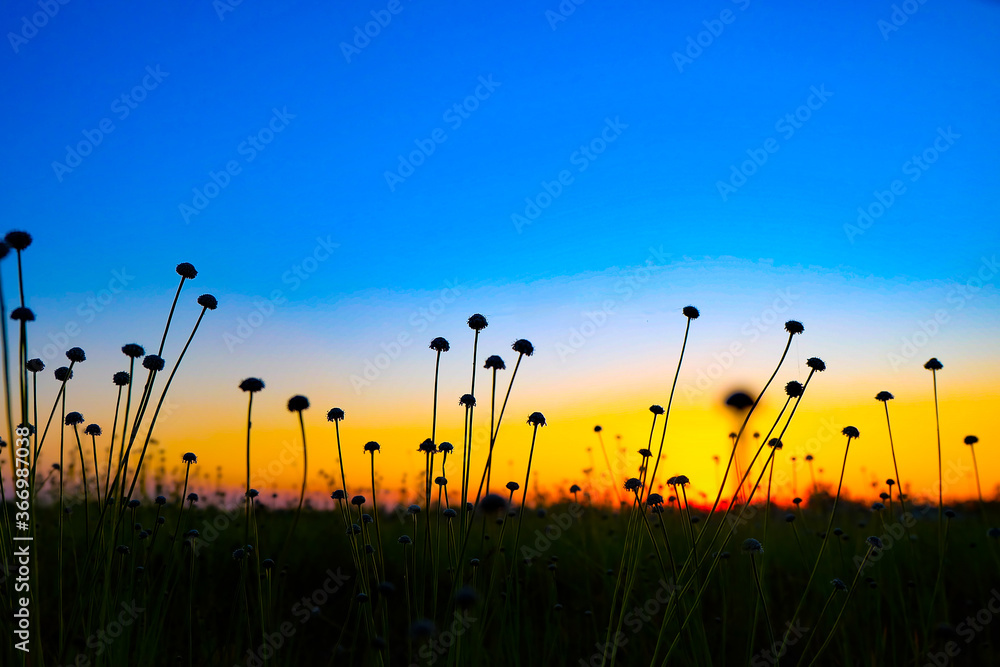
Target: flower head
(335, 415)
(632, 484)
(440, 344)
(208, 302)
(35, 365)
(441, 480)
(189, 458)
(851, 432)
(884, 396)
(18, 240)
(133, 350)
(22, 314)
(192, 497)
(427, 446)
(74, 418)
(513, 486)
(372, 446)
(794, 327)
(645, 453)
(794, 389)
(839, 585)
(477, 322)
(654, 499)
(752, 546)
(445, 447)
(877, 507)
(690, 312)
(774, 443)
(121, 378)
(413, 509)
(656, 409)
(298, 403)
(405, 539)
(521, 346)
(186, 270)
(575, 488)
(76, 354)
(874, 542)
(358, 500)
(536, 419)
(449, 513)
(161, 500)
(494, 362)
(681, 480)
(598, 429)
(153, 362)
(933, 364)
(739, 401)
(816, 364)
(252, 385)
(467, 400)
(93, 430)
(252, 493)
(971, 439)
(338, 495)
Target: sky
(354, 181)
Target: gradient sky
(619, 123)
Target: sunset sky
(578, 179)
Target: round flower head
(493, 502)
(477, 322)
(933, 364)
(884, 396)
(252, 493)
(513, 486)
(494, 362)
(335, 415)
(192, 497)
(672, 481)
(598, 429)
(298, 403)
(971, 439)
(427, 446)
(358, 500)
(681, 480)
(645, 453)
(189, 458)
(839, 585)
(338, 495)
(440, 480)
(120, 378)
(536, 419)
(74, 418)
(874, 542)
(752, 546)
(186, 270)
(413, 509)
(267, 564)
(133, 350)
(774, 443)
(446, 447)
(851, 432)
(63, 373)
(208, 302)
(950, 513)
(632, 484)
(468, 400)
(789, 518)
(153, 362)
(372, 446)
(656, 409)
(161, 500)
(797, 500)
(238, 554)
(877, 507)
(18, 240)
(123, 549)
(366, 519)
(739, 401)
(440, 344)
(92, 429)
(76, 354)
(816, 364)
(194, 533)
(654, 499)
(404, 539)
(574, 489)
(252, 385)
(690, 312)
(35, 365)
(521, 346)
(794, 389)
(449, 513)
(809, 457)
(22, 314)
(794, 327)
(353, 530)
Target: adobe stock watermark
(363, 35)
(696, 44)
(901, 13)
(957, 298)
(915, 167)
(294, 277)
(751, 330)
(248, 150)
(122, 106)
(967, 630)
(565, 9)
(787, 126)
(581, 158)
(627, 285)
(634, 620)
(93, 305)
(373, 367)
(454, 116)
(31, 25)
(439, 646)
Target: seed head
(884, 396)
(774, 443)
(494, 362)
(372, 446)
(121, 378)
(440, 344)
(192, 497)
(440, 480)
(809, 457)
(133, 503)
(933, 364)
(76, 354)
(522, 346)
(971, 439)
(267, 564)
(335, 415)
(536, 419)
(92, 429)
(851, 432)
(153, 362)
(298, 403)
(752, 546)
(413, 509)
(513, 486)
(252, 385)
(656, 409)
(252, 493)
(654, 499)
(133, 350)
(405, 539)
(366, 519)
(427, 446)
(574, 489)
(449, 513)
(161, 500)
(789, 517)
(877, 507)
(598, 429)
(633, 484)
(358, 500)
(467, 400)
(477, 322)
(794, 327)
(338, 495)
(874, 542)
(208, 302)
(18, 240)
(189, 458)
(493, 502)
(446, 447)
(950, 513)
(74, 418)
(839, 585)
(690, 312)
(186, 270)
(794, 389)
(739, 401)
(681, 480)
(35, 365)
(816, 364)
(22, 314)
(645, 453)
(797, 500)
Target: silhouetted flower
(681, 480)
(645, 453)
(404, 539)
(851, 432)
(656, 409)
(654, 499)
(877, 507)
(632, 484)
(298, 403)
(536, 419)
(884, 396)
(74, 418)
(933, 364)
(413, 509)
(192, 497)
(739, 401)
(335, 415)
(521, 346)
(874, 542)
(208, 302)
(513, 486)
(133, 350)
(440, 344)
(598, 429)
(493, 502)
(774, 443)
(752, 546)
(449, 513)
(794, 327)
(949, 513)
(494, 362)
(971, 439)
(338, 495)
(445, 447)
(358, 500)
(153, 362)
(18, 240)
(427, 446)
(467, 400)
(186, 270)
(252, 385)
(440, 480)
(690, 312)
(22, 314)
(92, 429)
(76, 354)
(252, 493)
(839, 585)
(372, 446)
(477, 322)
(189, 458)
(35, 365)
(794, 389)
(120, 378)
(816, 364)
(161, 500)
(574, 489)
